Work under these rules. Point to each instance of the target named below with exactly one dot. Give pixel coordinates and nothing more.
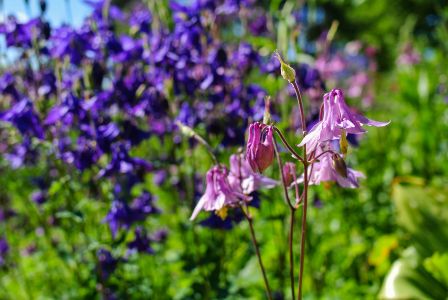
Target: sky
(58, 11)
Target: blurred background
(97, 182)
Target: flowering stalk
(292, 210)
(304, 198)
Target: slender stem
(305, 190)
(303, 233)
(300, 101)
(257, 251)
(319, 156)
(291, 254)
(282, 176)
(290, 149)
(296, 186)
(291, 220)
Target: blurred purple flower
(106, 263)
(4, 249)
(243, 179)
(218, 192)
(23, 116)
(141, 242)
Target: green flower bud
(286, 70)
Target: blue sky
(58, 11)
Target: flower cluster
(229, 188)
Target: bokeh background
(97, 183)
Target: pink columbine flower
(242, 178)
(218, 192)
(260, 147)
(337, 119)
(331, 167)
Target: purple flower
(106, 263)
(331, 167)
(67, 42)
(218, 192)
(122, 215)
(23, 116)
(242, 178)
(4, 249)
(327, 169)
(141, 242)
(260, 147)
(337, 119)
(123, 163)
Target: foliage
(97, 183)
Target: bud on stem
(286, 70)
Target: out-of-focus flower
(408, 56)
(106, 263)
(243, 178)
(337, 118)
(141, 242)
(260, 147)
(24, 35)
(331, 167)
(4, 249)
(23, 116)
(123, 163)
(218, 192)
(122, 215)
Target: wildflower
(337, 119)
(218, 192)
(260, 147)
(243, 178)
(331, 167)
(24, 117)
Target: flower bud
(260, 147)
(286, 70)
(289, 171)
(339, 165)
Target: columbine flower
(242, 178)
(331, 167)
(337, 119)
(218, 192)
(260, 147)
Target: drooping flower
(243, 178)
(260, 147)
(337, 119)
(331, 167)
(218, 192)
